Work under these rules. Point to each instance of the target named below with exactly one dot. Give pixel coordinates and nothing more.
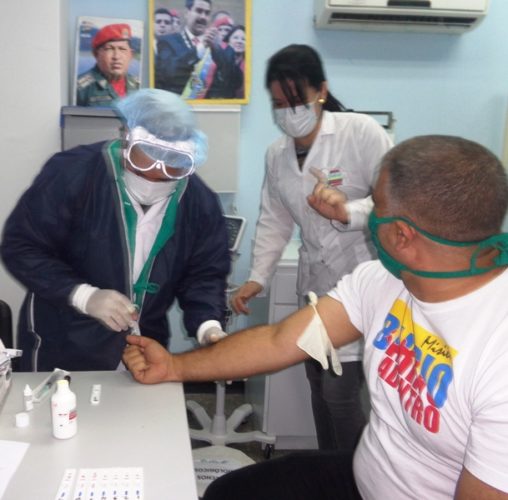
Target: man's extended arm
(469, 487)
(261, 349)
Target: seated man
(434, 316)
(114, 232)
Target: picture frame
(202, 53)
(97, 79)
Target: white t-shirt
(438, 380)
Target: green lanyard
(166, 230)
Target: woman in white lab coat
(343, 149)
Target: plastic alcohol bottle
(63, 411)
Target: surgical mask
(497, 241)
(146, 192)
(298, 121)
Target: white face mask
(146, 192)
(298, 121)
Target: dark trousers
(320, 475)
(336, 405)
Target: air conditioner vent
(338, 17)
(424, 16)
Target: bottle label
(64, 421)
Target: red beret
(174, 13)
(223, 20)
(111, 32)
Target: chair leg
(220, 431)
(199, 412)
(239, 415)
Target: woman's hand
(243, 295)
(328, 202)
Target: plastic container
(28, 398)
(22, 419)
(63, 411)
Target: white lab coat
(349, 142)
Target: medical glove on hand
(111, 308)
(246, 292)
(212, 335)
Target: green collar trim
(166, 231)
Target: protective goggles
(174, 158)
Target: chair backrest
(6, 324)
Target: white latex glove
(112, 308)
(212, 335)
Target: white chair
(217, 429)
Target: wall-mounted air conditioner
(444, 16)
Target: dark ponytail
(302, 65)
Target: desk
(133, 426)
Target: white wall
(33, 87)
(433, 83)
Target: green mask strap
(497, 241)
(430, 236)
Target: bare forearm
(263, 349)
(470, 487)
(257, 350)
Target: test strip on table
(95, 395)
(109, 483)
(65, 489)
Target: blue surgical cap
(165, 115)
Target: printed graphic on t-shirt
(417, 363)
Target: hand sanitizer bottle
(63, 411)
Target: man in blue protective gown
(109, 234)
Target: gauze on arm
(315, 341)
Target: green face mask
(498, 241)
